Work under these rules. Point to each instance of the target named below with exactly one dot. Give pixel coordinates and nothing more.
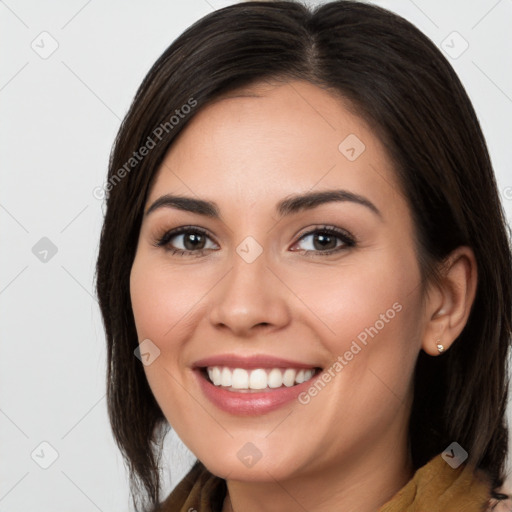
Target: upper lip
(256, 361)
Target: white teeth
(275, 378)
(259, 378)
(239, 378)
(289, 377)
(216, 376)
(225, 377)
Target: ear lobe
(449, 304)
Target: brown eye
(186, 240)
(326, 240)
(193, 241)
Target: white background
(59, 116)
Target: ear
(449, 303)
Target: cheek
(370, 313)
(160, 303)
(161, 299)
(167, 304)
(360, 295)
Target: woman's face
(273, 287)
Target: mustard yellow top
(435, 487)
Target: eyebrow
(286, 207)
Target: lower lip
(252, 403)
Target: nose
(249, 298)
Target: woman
(314, 276)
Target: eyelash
(164, 239)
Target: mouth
(256, 380)
(248, 385)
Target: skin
(246, 152)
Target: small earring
(440, 347)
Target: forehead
(276, 139)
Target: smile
(244, 385)
(247, 380)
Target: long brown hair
(398, 81)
